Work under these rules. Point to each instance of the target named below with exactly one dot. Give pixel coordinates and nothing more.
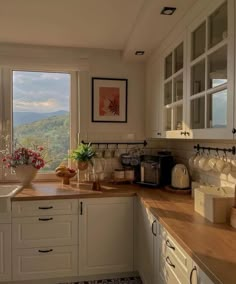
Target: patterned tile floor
(129, 280)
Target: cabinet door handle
(233, 130)
(81, 208)
(169, 244)
(183, 133)
(45, 250)
(191, 274)
(187, 133)
(159, 133)
(153, 227)
(169, 262)
(45, 219)
(45, 208)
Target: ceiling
(126, 25)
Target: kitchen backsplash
(109, 164)
(182, 150)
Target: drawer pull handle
(45, 208)
(169, 262)
(45, 251)
(45, 219)
(153, 227)
(169, 245)
(191, 274)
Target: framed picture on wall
(109, 100)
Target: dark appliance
(155, 170)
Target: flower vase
(25, 174)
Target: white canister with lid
(119, 174)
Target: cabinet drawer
(44, 263)
(170, 271)
(168, 246)
(44, 231)
(44, 207)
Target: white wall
(110, 64)
(89, 63)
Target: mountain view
(51, 132)
(41, 111)
(20, 118)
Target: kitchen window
(37, 110)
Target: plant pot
(82, 166)
(25, 174)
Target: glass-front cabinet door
(173, 92)
(210, 76)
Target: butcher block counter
(211, 246)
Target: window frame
(6, 114)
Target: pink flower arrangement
(25, 156)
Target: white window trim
(6, 112)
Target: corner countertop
(211, 246)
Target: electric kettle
(180, 176)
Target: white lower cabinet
(105, 235)
(176, 266)
(43, 263)
(44, 243)
(174, 261)
(93, 236)
(5, 252)
(29, 232)
(197, 276)
(148, 245)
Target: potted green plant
(83, 155)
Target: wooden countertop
(211, 246)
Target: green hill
(53, 133)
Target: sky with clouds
(40, 91)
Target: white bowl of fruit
(65, 173)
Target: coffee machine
(155, 170)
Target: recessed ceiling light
(139, 52)
(168, 11)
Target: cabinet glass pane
(179, 57)
(168, 119)
(199, 41)
(198, 113)
(168, 93)
(168, 66)
(178, 88)
(217, 110)
(217, 68)
(198, 78)
(218, 25)
(178, 117)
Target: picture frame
(109, 100)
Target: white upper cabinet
(173, 90)
(197, 78)
(152, 103)
(210, 72)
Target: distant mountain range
(20, 118)
(53, 133)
